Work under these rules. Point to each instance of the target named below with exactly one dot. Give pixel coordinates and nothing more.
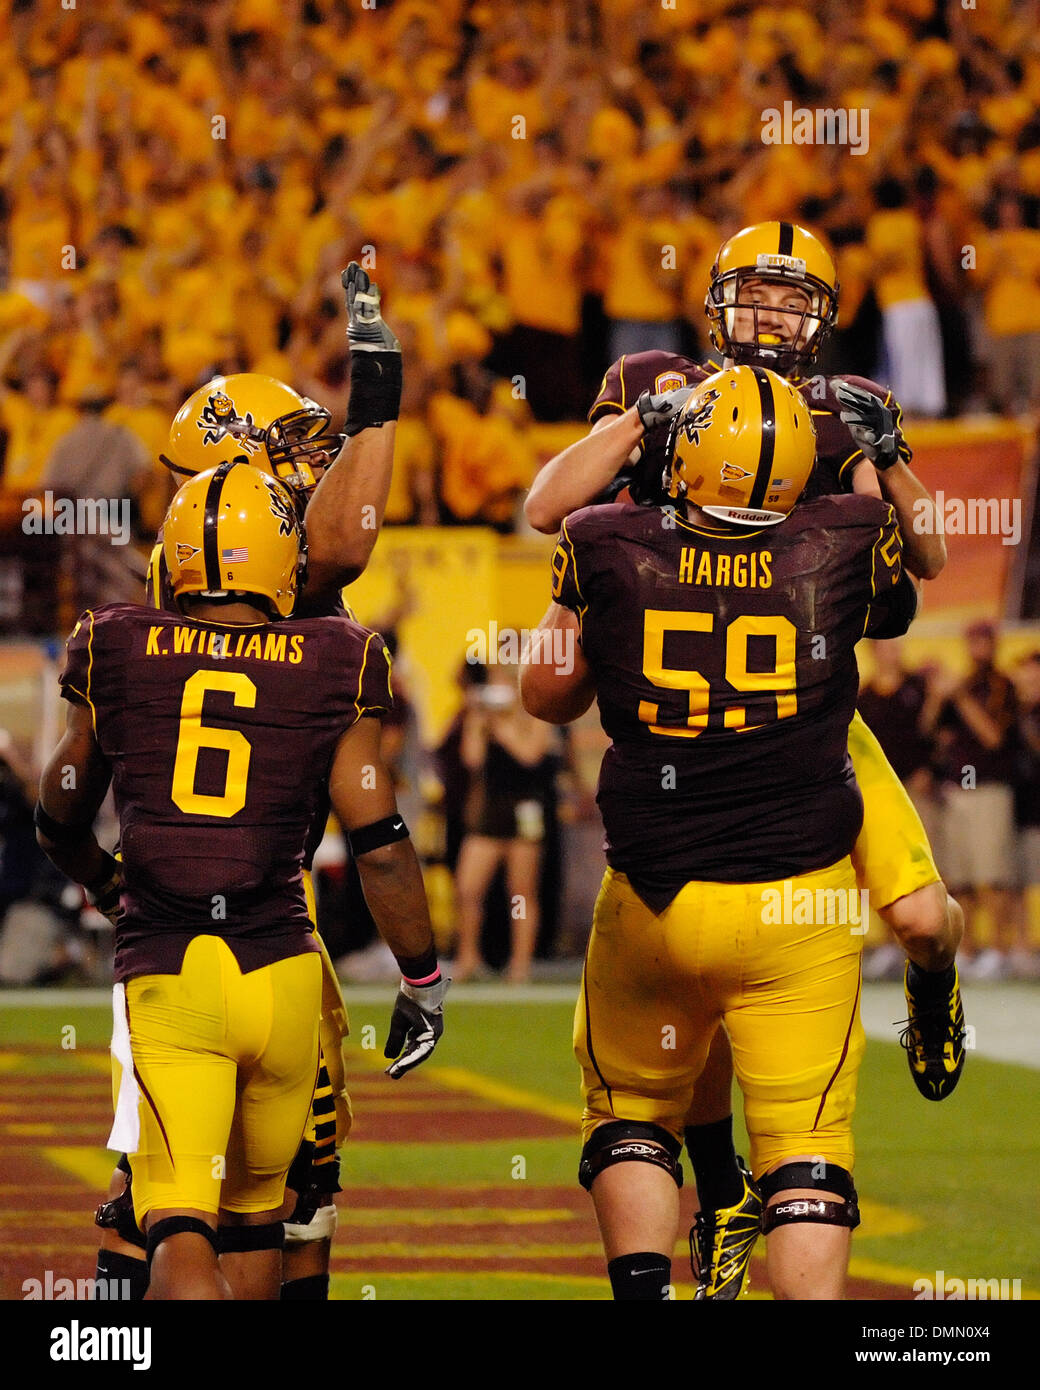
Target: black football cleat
(934, 1041)
(721, 1243)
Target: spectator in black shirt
(976, 721)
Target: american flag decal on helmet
(234, 555)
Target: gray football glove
(366, 329)
(871, 424)
(416, 1025)
(660, 409)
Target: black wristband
(381, 832)
(58, 834)
(375, 390)
(415, 968)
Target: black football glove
(661, 409)
(106, 893)
(375, 356)
(366, 329)
(871, 424)
(416, 1025)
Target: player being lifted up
(772, 300)
(719, 641)
(220, 726)
(259, 420)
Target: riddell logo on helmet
(774, 261)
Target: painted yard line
(499, 1093)
(56, 998)
(393, 1249)
(895, 1274)
(86, 1059)
(29, 1216)
(41, 1248)
(454, 1216)
(37, 1188)
(509, 1097)
(528, 1276)
(92, 1166)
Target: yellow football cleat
(721, 1243)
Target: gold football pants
(225, 1064)
(892, 856)
(655, 988)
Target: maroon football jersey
(219, 740)
(837, 452)
(158, 591)
(726, 678)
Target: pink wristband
(426, 980)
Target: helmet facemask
(765, 347)
(258, 420)
(293, 442)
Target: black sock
(929, 986)
(113, 1267)
(314, 1288)
(714, 1160)
(643, 1278)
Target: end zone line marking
(500, 1092)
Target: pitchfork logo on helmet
(281, 508)
(252, 418)
(742, 447)
(693, 422)
(219, 418)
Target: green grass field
(949, 1186)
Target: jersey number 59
(778, 683)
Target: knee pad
(311, 1223)
(118, 1214)
(629, 1141)
(175, 1225)
(243, 1240)
(819, 1210)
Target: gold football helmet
(233, 531)
(784, 254)
(253, 419)
(742, 447)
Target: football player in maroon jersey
(771, 302)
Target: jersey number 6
(193, 735)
